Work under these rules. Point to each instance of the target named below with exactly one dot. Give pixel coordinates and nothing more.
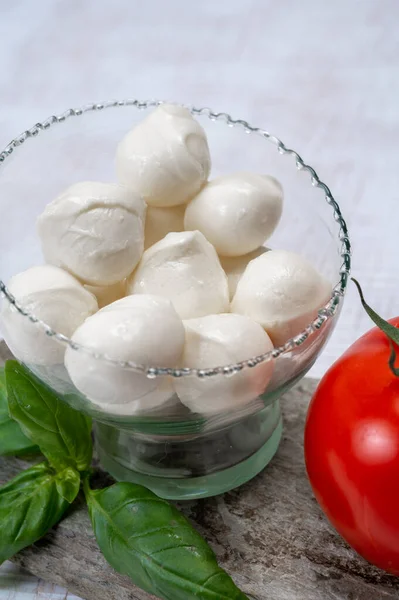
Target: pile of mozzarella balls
(165, 268)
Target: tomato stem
(390, 331)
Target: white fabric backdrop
(324, 76)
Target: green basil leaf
(68, 484)
(149, 540)
(29, 506)
(62, 433)
(12, 440)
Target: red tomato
(352, 449)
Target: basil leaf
(61, 432)
(68, 484)
(148, 539)
(12, 440)
(29, 506)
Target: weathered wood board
(270, 535)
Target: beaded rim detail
(324, 314)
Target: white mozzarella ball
(95, 231)
(106, 294)
(161, 221)
(165, 157)
(55, 377)
(283, 292)
(234, 267)
(185, 268)
(143, 329)
(218, 340)
(161, 401)
(53, 296)
(236, 213)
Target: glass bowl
(171, 450)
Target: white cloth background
(324, 76)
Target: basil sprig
(61, 432)
(149, 540)
(67, 483)
(29, 506)
(139, 534)
(12, 441)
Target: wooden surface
(324, 76)
(270, 535)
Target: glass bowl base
(172, 481)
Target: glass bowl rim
(325, 314)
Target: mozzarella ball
(53, 296)
(234, 267)
(185, 268)
(143, 329)
(283, 292)
(161, 221)
(236, 213)
(95, 231)
(165, 157)
(106, 294)
(56, 378)
(218, 340)
(160, 400)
